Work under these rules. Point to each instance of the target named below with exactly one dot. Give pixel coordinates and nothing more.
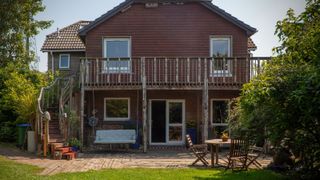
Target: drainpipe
(52, 62)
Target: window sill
(113, 72)
(64, 69)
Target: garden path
(105, 159)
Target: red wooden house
(157, 66)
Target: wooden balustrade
(171, 72)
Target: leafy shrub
(74, 142)
(7, 132)
(282, 103)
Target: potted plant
(75, 144)
(225, 136)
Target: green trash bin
(22, 133)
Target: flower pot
(193, 134)
(75, 148)
(224, 139)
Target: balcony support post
(144, 104)
(82, 76)
(248, 70)
(205, 103)
(97, 72)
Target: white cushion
(115, 136)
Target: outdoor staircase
(55, 135)
(51, 102)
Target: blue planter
(75, 148)
(137, 144)
(193, 134)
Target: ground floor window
(116, 109)
(219, 114)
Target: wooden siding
(74, 62)
(169, 30)
(193, 107)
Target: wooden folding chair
(237, 158)
(199, 150)
(253, 155)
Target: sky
(261, 14)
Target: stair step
(55, 135)
(56, 141)
(53, 126)
(54, 132)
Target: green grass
(12, 170)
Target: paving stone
(103, 160)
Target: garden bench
(123, 136)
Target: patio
(102, 159)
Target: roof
(70, 41)
(65, 39)
(251, 45)
(207, 3)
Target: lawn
(12, 170)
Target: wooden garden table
(214, 148)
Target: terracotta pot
(224, 139)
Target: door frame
(182, 142)
(211, 114)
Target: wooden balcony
(170, 72)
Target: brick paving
(105, 159)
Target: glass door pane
(158, 122)
(175, 121)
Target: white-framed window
(219, 114)
(116, 109)
(118, 54)
(64, 61)
(220, 50)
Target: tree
(285, 98)
(18, 84)
(17, 25)
(21, 94)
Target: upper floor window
(118, 54)
(220, 49)
(64, 61)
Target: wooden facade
(167, 31)
(170, 46)
(74, 64)
(169, 60)
(189, 79)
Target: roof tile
(251, 45)
(66, 39)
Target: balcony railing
(171, 73)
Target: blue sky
(261, 14)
